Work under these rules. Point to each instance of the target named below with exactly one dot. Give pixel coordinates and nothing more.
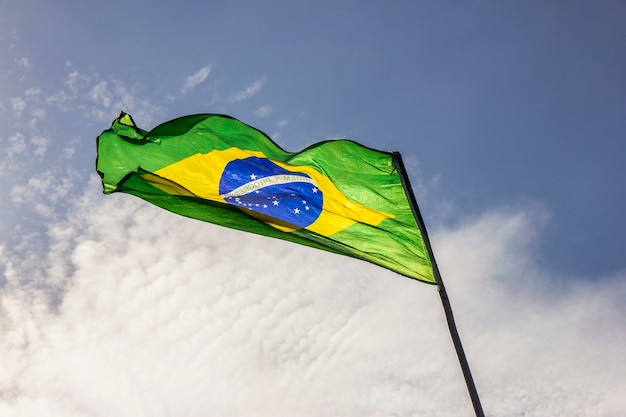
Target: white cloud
(76, 81)
(101, 95)
(18, 104)
(112, 97)
(41, 146)
(278, 133)
(263, 111)
(50, 186)
(23, 63)
(44, 210)
(76, 84)
(249, 91)
(59, 99)
(102, 100)
(33, 93)
(196, 79)
(38, 113)
(17, 145)
(14, 38)
(68, 152)
(164, 315)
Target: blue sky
(511, 117)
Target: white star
(297, 211)
(275, 202)
(306, 207)
(264, 205)
(303, 201)
(252, 177)
(314, 189)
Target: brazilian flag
(338, 196)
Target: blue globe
(260, 186)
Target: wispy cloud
(39, 113)
(196, 79)
(263, 111)
(249, 91)
(17, 145)
(20, 156)
(41, 146)
(101, 99)
(18, 104)
(23, 63)
(100, 94)
(278, 133)
(77, 81)
(14, 38)
(52, 185)
(33, 94)
(75, 86)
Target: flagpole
(456, 340)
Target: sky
(511, 119)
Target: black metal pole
(456, 340)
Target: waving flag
(337, 196)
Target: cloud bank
(160, 315)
